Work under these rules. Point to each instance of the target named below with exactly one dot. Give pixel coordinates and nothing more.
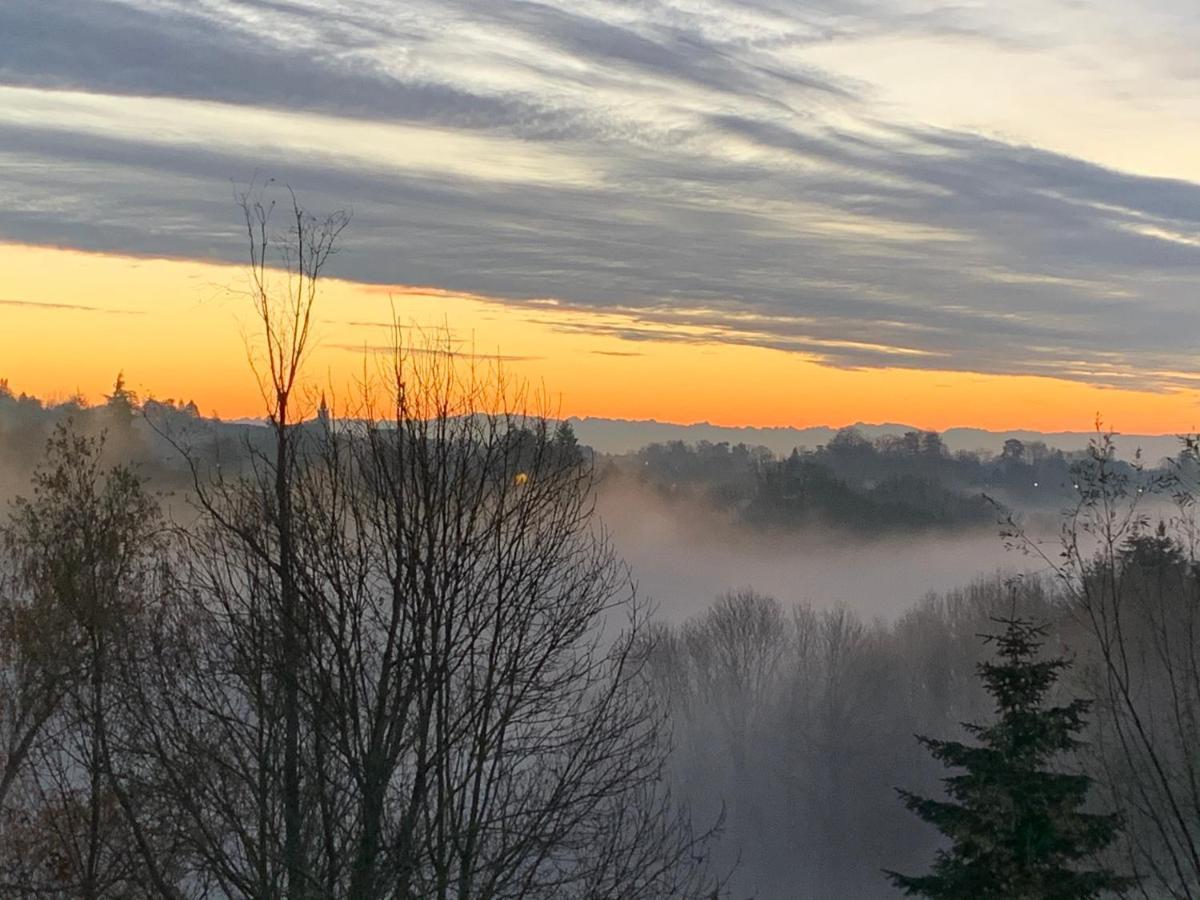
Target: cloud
(390, 349)
(664, 170)
(71, 307)
(201, 52)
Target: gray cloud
(725, 205)
(119, 48)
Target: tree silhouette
(1015, 825)
(121, 404)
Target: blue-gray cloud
(728, 200)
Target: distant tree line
(894, 483)
(891, 484)
(141, 431)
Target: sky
(759, 212)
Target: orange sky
(71, 320)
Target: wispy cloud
(390, 349)
(70, 307)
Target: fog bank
(683, 554)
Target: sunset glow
(743, 213)
(181, 329)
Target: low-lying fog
(793, 721)
(684, 554)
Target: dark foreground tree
(1016, 826)
(400, 659)
(79, 555)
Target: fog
(797, 667)
(683, 554)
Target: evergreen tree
(566, 444)
(1015, 825)
(121, 404)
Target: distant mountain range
(625, 436)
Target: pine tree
(1015, 825)
(566, 444)
(122, 403)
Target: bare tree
(472, 720)
(285, 317)
(1134, 592)
(82, 550)
(394, 657)
(401, 660)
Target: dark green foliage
(121, 405)
(566, 446)
(894, 482)
(804, 490)
(1016, 826)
